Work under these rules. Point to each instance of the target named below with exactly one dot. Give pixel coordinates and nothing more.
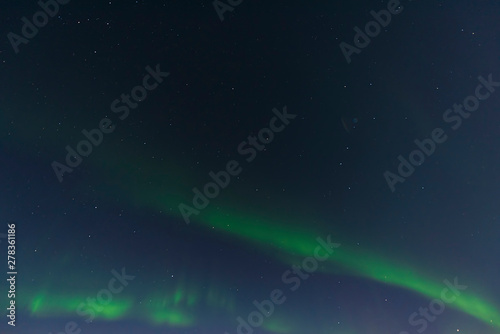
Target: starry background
(322, 175)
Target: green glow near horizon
(44, 304)
(176, 308)
(268, 234)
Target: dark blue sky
(92, 81)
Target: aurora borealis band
(306, 238)
(290, 242)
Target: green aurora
(147, 190)
(178, 307)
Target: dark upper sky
(281, 125)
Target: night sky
(228, 167)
